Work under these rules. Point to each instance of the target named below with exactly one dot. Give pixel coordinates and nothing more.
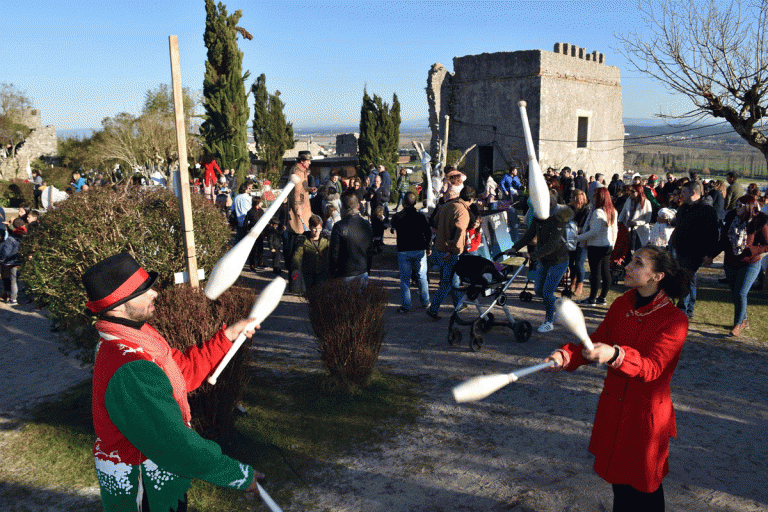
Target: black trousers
(628, 499)
(599, 258)
(181, 507)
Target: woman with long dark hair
(600, 236)
(640, 341)
(744, 240)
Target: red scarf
(160, 353)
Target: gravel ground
(523, 448)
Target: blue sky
(81, 61)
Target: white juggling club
(538, 192)
(228, 268)
(478, 388)
(569, 315)
(274, 507)
(265, 304)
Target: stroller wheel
(526, 296)
(454, 336)
(522, 331)
(485, 325)
(475, 339)
(475, 343)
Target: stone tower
(574, 109)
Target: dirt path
(525, 447)
(521, 449)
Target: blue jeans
(362, 278)
(410, 262)
(692, 265)
(400, 197)
(576, 261)
(740, 281)
(546, 286)
(448, 281)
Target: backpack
(569, 235)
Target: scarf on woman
(737, 235)
(158, 350)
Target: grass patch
(292, 428)
(714, 308)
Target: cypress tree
(272, 134)
(379, 132)
(260, 114)
(224, 129)
(367, 143)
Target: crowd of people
(696, 219)
(655, 234)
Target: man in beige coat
(451, 237)
(299, 210)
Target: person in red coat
(210, 169)
(640, 341)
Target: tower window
(582, 132)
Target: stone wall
(481, 98)
(41, 142)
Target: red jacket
(635, 418)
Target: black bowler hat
(113, 281)
(304, 155)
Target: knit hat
(113, 281)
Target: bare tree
(714, 53)
(13, 131)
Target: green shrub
(185, 317)
(15, 193)
(87, 228)
(348, 320)
(59, 177)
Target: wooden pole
(445, 150)
(181, 140)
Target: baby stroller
(479, 278)
(620, 255)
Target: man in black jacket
(351, 243)
(695, 237)
(413, 238)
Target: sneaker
(426, 306)
(588, 302)
(546, 327)
(600, 301)
(433, 316)
(13, 302)
(401, 309)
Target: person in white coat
(636, 216)
(600, 235)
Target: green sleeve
(139, 401)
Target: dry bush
(184, 316)
(348, 320)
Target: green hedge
(86, 228)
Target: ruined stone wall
(41, 142)
(576, 83)
(31, 117)
(438, 96)
(484, 111)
